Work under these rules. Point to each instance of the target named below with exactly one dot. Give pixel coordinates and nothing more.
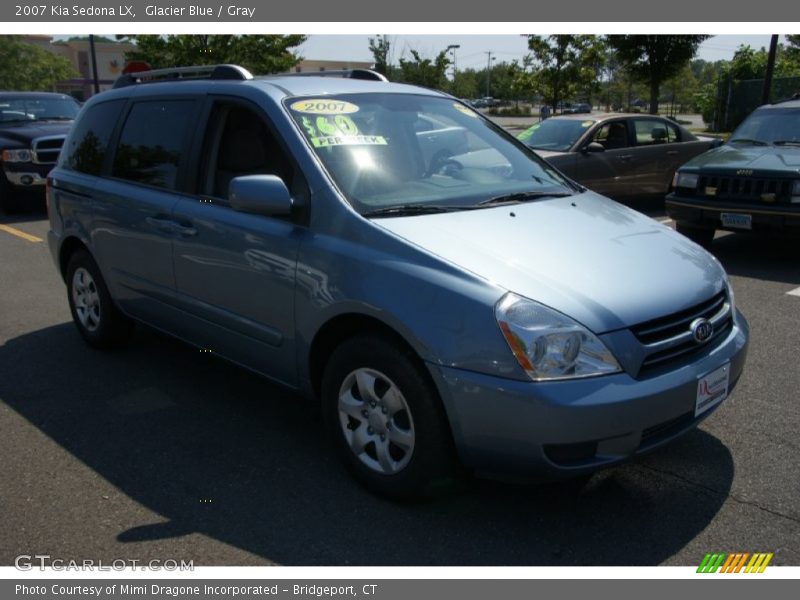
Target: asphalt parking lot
(158, 451)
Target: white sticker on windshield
(322, 106)
(348, 140)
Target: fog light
(26, 180)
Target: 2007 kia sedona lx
(315, 230)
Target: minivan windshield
(768, 126)
(21, 108)
(396, 154)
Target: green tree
(563, 64)
(793, 48)
(680, 90)
(260, 54)
(465, 84)
(426, 72)
(653, 59)
(28, 67)
(380, 47)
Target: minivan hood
(757, 158)
(593, 259)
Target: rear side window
(152, 141)
(649, 132)
(88, 142)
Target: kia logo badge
(701, 330)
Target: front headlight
(12, 156)
(685, 180)
(731, 299)
(549, 345)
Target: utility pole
(454, 47)
(489, 60)
(773, 48)
(94, 64)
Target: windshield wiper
(749, 141)
(404, 210)
(523, 197)
(786, 143)
(55, 118)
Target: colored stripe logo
(738, 562)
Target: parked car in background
(33, 126)
(750, 183)
(622, 156)
(580, 108)
(445, 317)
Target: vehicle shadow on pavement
(764, 256)
(32, 214)
(219, 451)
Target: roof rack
(229, 72)
(365, 74)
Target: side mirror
(260, 195)
(593, 147)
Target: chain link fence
(738, 98)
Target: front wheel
(98, 320)
(386, 420)
(702, 236)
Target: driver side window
(240, 143)
(612, 136)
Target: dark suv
(33, 126)
(750, 183)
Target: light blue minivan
(497, 318)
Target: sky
(472, 53)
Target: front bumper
(26, 175)
(25, 180)
(706, 213)
(511, 428)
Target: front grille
(745, 189)
(46, 150)
(669, 339)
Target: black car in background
(750, 183)
(33, 126)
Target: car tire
(386, 421)
(702, 236)
(97, 318)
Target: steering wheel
(443, 164)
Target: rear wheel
(386, 420)
(98, 320)
(702, 236)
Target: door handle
(161, 223)
(184, 229)
(168, 225)
(625, 156)
(672, 152)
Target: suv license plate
(737, 220)
(712, 389)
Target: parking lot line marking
(20, 234)
(664, 221)
(794, 292)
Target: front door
(235, 273)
